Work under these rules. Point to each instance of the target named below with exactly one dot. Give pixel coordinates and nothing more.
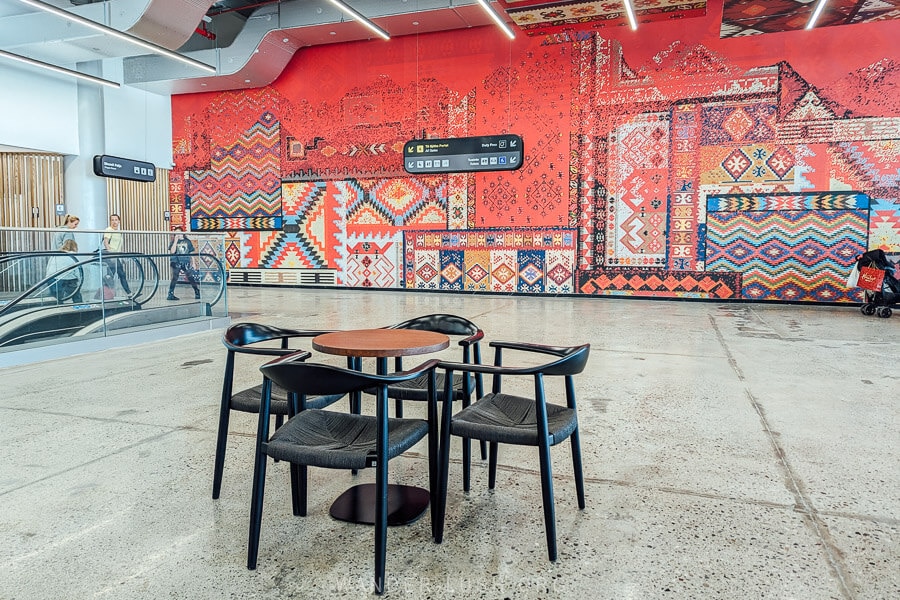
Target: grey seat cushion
(417, 389)
(248, 400)
(322, 438)
(511, 420)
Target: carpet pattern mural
(672, 167)
(788, 247)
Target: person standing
(65, 232)
(182, 250)
(65, 283)
(113, 242)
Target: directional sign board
(124, 168)
(457, 155)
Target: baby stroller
(878, 302)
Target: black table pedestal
(406, 503)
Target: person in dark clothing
(182, 250)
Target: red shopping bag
(870, 279)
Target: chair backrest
(241, 336)
(440, 323)
(316, 379)
(572, 360)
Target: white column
(85, 193)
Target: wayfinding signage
(124, 168)
(456, 155)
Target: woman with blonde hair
(66, 282)
(69, 223)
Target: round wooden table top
(380, 342)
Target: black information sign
(458, 155)
(124, 168)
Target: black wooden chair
(333, 440)
(500, 418)
(468, 336)
(248, 338)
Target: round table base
(406, 504)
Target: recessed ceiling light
(415, 22)
(285, 40)
(332, 33)
(246, 81)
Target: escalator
(43, 299)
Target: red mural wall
(664, 162)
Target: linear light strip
(118, 34)
(497, 19)
(816, 13)
(362, 20)
(36, 63)
(629, 10)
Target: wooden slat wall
(142, 207)
(29, 181)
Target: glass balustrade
(51, 296)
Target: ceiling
(251, 41)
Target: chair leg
(256, 507)
(443, 473)
(484, 452)
(221, 443)
(298, 489)
(547, 494)
(467, 463)
(492, 465)
(398, 409)
(579, 474)
(433, 469)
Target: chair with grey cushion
(502, 418)
(337, 440)
(468, 336)
(252, 339)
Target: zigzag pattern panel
(236, 223)
(243, 182)
(652, 282)
(788, 255)
(827, 201)
(497, 260)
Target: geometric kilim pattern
(788, 255)
(495, 260)
(651, 282)
(242, 188)
(884, 224)
(302, 243)
(638, 178)
(372, 261)
(397, 202)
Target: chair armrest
(472, 339)
(489, 369)
(540, 348)
(293, 356)
(426, 366)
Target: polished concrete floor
(731, 451)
